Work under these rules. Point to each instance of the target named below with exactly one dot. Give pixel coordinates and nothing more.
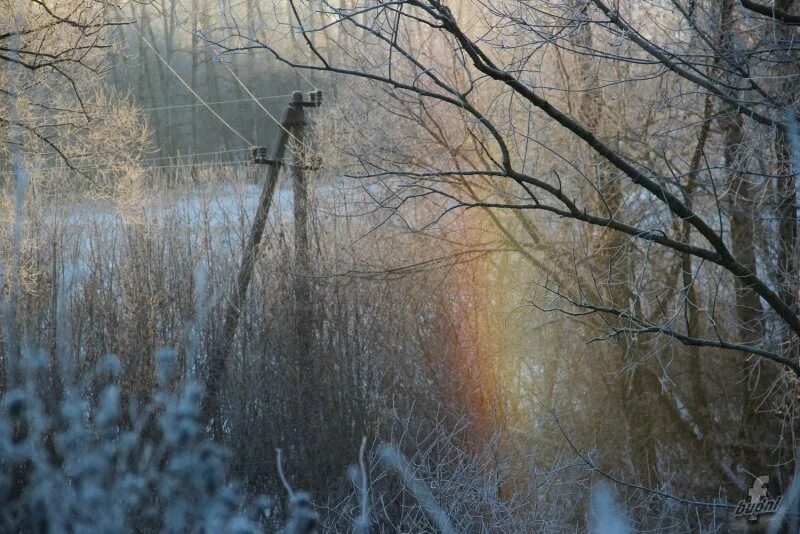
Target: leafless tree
(50, 55)
(660, 139)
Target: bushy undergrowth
(80, 456)
(97, 443)
(86, 461)
(100, 278)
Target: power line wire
(270, 115)
(300, 72)
(202, 103)
(239, 100)
(189, 87)
(189, 156)
(51, 170)
(100, 165)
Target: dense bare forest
(399, 266)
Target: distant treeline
(181, 125)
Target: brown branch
(588, 461)
(653, 185)
(667, 59)
(645, 327)
(772, 12)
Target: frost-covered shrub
(84, 456)
(90, 460)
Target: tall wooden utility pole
(293, 122)
(302, 291)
